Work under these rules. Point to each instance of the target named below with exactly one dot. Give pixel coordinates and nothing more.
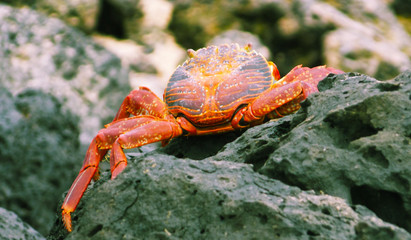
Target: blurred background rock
(71, 63)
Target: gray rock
(39, 153)
(163, 197)
(368, 37)
(43, 53)
(82, 14)
(354, 35)
(352, 140)
(332, 146)
(13, 228)
(362, 35)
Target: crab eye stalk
(248, 47)
(191, 53)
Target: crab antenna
(248, 47)
(191, 53)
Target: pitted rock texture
(348, 191)
(162, 197)
(351, 140)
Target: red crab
(218, 89)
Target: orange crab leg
(106, 136)
(142, 101)
(155, 131)
(121, 134)
(95, 153)
(284, 96)
(288, 95)
(138, 102)
(88, 170)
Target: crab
(217, 89)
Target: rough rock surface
(162, 197)
(348, 147)
(13, 228)
(352, 141)
(82, 14)
(39, 149)
(43, 53)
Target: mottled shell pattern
(215, 81)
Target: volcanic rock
(337, 169)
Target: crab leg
(95, 153)
(88, 170)
(121, 134)
(284, 96)
(290, 95)
(142, 101)
(155, 131)
(138, 102)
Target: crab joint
(249, 116)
